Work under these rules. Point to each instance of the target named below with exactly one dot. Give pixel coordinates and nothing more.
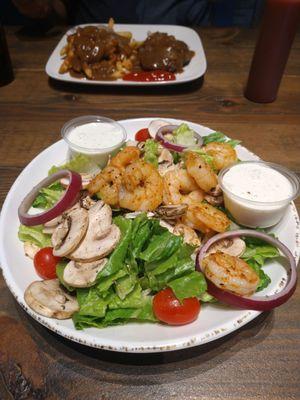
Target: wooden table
(261, 360)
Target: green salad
(143, 265)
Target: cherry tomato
(142, 135)
(167, 308)
(45, 263)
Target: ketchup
(150, 76)
(279, 26)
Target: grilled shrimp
(230, 273)
(142, 188)
(180, 188)
(206, 218)
(125, 157)
(222, 153)
(202, 173)
(107, 184)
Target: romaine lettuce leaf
(264, 279)
(117, 258)
(34, 234)
(125, 285)
(191, 285)
(158, 282)
(47, 197)
(80, 163)
(106, 282)
(151, 152)
(221, 138)
(256, 254)
(135, 299)
(161, 247)
(184, 135)
(94, 313)
(91, 303)
(207, 298)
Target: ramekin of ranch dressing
(94, 136)
(257, 193)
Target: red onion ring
(261, 303)
(164, 130)
(69, 198)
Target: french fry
(127, 64)
(65, 66)
(64, 50)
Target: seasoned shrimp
(107, 184)
(230, 273)
(125, 157)
(202, 173)
(142, 189)
(180, 188)
(205, 218)
(222, 153)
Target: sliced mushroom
(82, 275)
(214, 200)
(48, 298)
(216, 191)
(61, 232)
(100, 218)
(165, 157)
(171, 212)
(234, 247)
(30, 249)
(165, 161)
(54, 222)
(69, 233)
(49, 231)
(91, 249)
(189, 235)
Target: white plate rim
(83, 337)
(52, 73)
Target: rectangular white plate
(194, 70)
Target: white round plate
(214, 320)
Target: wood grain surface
(261, 360)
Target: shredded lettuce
(47, 197)
(35, 235)
(184, 136)
(151, 152)
(147, 259)
(221, 138)
(79, 163)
